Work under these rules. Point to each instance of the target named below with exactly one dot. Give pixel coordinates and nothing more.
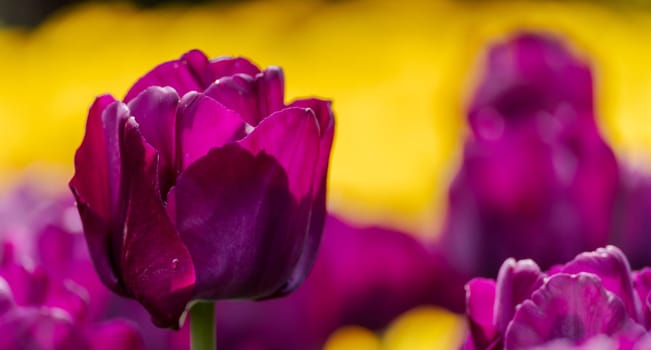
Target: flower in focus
(536, 171)
(593, 299)
(203, 184)
(49, 295)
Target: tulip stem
(203, 326)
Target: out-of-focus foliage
(398, 73)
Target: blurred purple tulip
(537, 179)
(632, 223)
(594, 299)
(48, 294)
(203, 184)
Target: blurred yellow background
(398, 73)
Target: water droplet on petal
(248, 128)
(175, 263)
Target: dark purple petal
(480, 304)
(156, 267)
(91, 180)
(189, 73)
(611, 266)
(271, 91)
(203, 124)
(237, 92)
(96, 185)
(155, 111)
(235, 214)
(300, 160)
(227, 66)
(573, 307)
(325, 117)
(292, 137)
(516, 282)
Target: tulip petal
(184, 75)
(270, 85)
(573, 307)
(611, 265)
(515, 283)
(234, 213)
(155, 111)
(480, 302)
(202, 124)
(91, 158)
(228, 66)
(300, 162)
(292, 137)
(96, 183)
(253, 98)
(325, 117)
(157, 268)
(323, 111)
(237, 92)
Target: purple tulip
(536, 170)
(203, 184)
(532, 79)
(41, 306)
(38, 312)
(593, 299)
(43, 231)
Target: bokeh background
(400, 74)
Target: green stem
(202, 326)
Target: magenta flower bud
(593, 299)
(203, 184)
